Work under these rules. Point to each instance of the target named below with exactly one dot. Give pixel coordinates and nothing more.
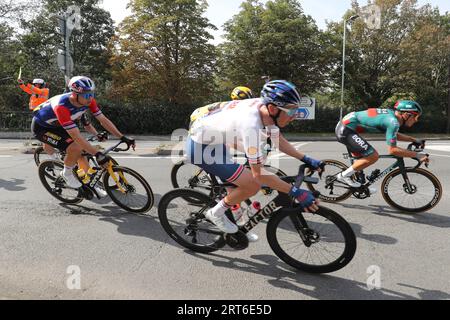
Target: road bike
(409, 189)
(127, 188)
(319, 242)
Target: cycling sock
(220, 208)
(68, 169)
(349, 172)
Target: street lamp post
(352, 18)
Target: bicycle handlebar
(116, 149)
(418, 149)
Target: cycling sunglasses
(87, 96)
(289, 112)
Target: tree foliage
(163, 52)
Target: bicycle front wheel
(423, 194)
(129, 190)
(329, 243)
(184, 220)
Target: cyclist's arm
(289, 149)
(404, 137)
(392, 135)
(79, 139)
(269, 179)
(90, 128)
(104, 121)
(109, 126)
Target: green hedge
(153, 118)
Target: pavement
(95, 250)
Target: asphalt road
(44, 244)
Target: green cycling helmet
(408, 106)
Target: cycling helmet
(280, 93)
(408, 106)
(81, 84)
(38, 81)
(241, 93)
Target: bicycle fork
(116, 180)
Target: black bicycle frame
(400, 163)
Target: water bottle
(81, 173)
(254, 208)
(89, 175)
(238, 214)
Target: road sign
(307, 110)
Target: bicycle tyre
(434, 180)
(109, 190)
(327, 197)
(184, 194)
(343, 226)
(42, 176)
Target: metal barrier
(15, 121)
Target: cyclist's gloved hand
(304, 197)
(419, 143)
(102, 136)
(423, 157)
(312, 162)
(128, 141)
(102, 158)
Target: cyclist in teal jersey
(405, 113)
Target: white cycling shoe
(348, 181)
(70, 179)
(252, 237)
(223, 223)
(100, 191)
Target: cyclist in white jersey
(246, 123)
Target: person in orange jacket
(39, 94)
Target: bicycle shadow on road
(324, 287)
(139, 225)
(12, 185)
(426, 218)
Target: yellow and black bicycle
(127, 188)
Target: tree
(163, 54)
(277, 40)
(407, 56)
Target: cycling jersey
(59, 111)
(231, 123)
(374, 120)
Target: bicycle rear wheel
(49, 174)
(40, 155)
(131, 191)
(184, 220)
(329, 190)
(425, 192)
(330, 241)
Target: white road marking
(438, 147)
(439, 155)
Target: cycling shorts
(356, 144)
(56, 137)
(214, 159)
